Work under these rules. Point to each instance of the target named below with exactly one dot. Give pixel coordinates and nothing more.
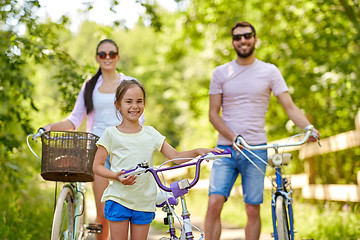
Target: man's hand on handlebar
(238, 143)
(315, 134)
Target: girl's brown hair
(124, 86)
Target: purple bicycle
(169, 197)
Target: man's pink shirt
(246, 91)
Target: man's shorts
(117, 213)
(225, 171)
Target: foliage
(315, 44)
(340, 168)
(25, 44)
(298, 41)
(40, 43)
(327, 222)
(21, 214)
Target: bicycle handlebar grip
(128, 172)
(140, 168)
(214, 155)
(227, 151)
(309, 127)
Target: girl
(131, 200)
(96, 101)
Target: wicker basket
(68, 156)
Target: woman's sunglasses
(247, 36)
(102, 55)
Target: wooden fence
(335, 192)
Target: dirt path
(228, 232)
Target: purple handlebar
(181, 187)
(179, 192)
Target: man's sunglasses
(103, 55)
(247, 36)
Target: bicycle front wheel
(80, 217)
(63, 222)
(282, 226)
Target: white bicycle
(67, 156)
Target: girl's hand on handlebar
(203, 151)
(127, 180)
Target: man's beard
(247, 54)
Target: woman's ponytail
(89, 89)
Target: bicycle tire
(282, 226)
(63, 222)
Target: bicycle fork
(169, 220)
(186, 219)
(186, 228)
(281, 190)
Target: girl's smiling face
(132, 104)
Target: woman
(96, 101)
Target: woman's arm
(63, 125)
(75, 118)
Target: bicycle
(168, 197)
(281, 197)
(67, 156)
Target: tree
(315, 44)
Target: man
(241, 90)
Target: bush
(25, 209)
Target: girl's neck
(129, 127)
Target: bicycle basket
(68, 156)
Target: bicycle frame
(281, 201)
(178, 189)
(281, 190)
